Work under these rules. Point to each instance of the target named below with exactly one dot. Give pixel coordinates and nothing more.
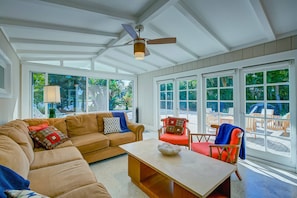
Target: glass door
(178, 98)
(187, 102)
(267, 113)
(219, 100)
(166, 100)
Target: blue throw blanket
(224, 136)
(10, 180)
(123, 122)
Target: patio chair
(280, 124)
(175, 131)
(227, 146)
(269, 114)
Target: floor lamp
(51, 94)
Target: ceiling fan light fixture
(139, 49)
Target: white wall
(10, 107)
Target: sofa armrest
(137, 129)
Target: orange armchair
(175, 131)
(226, 145)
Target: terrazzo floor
(258, 180)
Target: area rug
(113, 173)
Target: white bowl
(168, 149)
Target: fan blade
(128, 28)
(146, 52)
(162, 41)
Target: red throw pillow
(38, 127)
(175, 125)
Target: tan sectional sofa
(64, 170)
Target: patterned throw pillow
(112, 125)
(49, 137)
(23, 194)
(175, 125)
(37, 128)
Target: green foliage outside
(38, 82)
(277, 89)
(73, 92)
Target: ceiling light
(139, 49)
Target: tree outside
(103, 94)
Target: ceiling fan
(140, 49)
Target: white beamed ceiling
(41, 30)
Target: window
(103, 94)
(38, 82)
(72, 91)
(121, 96)
(97, 95)
(5, 76)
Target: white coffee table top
(197, 173)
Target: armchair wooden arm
(231, 150)
(201, 137)
(161, 131)
(204, 137)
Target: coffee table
(187, 174)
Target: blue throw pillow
(10, 180)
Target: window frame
(26, 87)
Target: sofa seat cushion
(90, 142)
(13, 157)
(55, 156)
(58, 179)
(91, 191)
(117, 139)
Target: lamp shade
(51, 94)
(139, 49)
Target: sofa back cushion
(22, 127)
(81, 124)
(13, 157)
(100, 120)
(20, 138)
